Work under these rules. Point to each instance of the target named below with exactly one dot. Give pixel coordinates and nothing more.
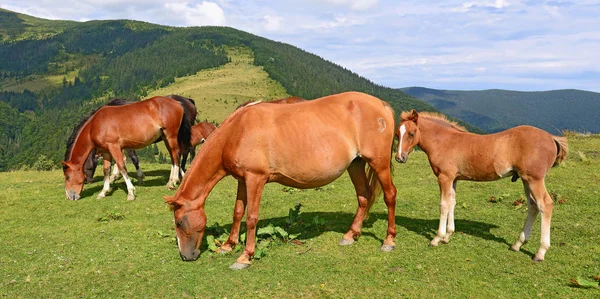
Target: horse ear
(170, 200)
(66, 164)
(415, 116)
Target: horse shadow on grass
(340, 222)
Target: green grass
(111, 247)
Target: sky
(456, 44)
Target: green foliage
(44, 164)
(495, 110)
(110, 216)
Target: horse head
(408, 135)
(74, 178)
(190, 222)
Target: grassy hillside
(495, 110)
(218, 91)
(117, 248)
(16, 26)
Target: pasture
(111, 247)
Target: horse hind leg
(532, 211)
(380, 175)
(173, 148)
(136, 162)
(539, 200)
(356, 170)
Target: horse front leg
(254, 188)
(106, 169)
(120, 162)
(450, 226)
(446, 190)
(238, 213)
(115, 172)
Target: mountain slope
(102, 59)
(495, 110)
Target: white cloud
(354, 4)
(205, 13)
(272, 23)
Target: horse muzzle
(401, 158)
(194, 256)
(72, 195)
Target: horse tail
(184, 135)
(374, 189)
(562, 149)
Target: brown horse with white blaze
(303, 145)
(110, 129)
(455, 154)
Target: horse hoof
(100, 196)
(433, 245)
(513, 248)
(224, 251)
(239, 266)
(344, 242)
(130, 197)
(537, 259)
(387, 248)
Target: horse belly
(312, 168)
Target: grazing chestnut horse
(110, 129)
(302, 145)
(455, 154)
(92, 160)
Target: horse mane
(79, 125)
(118, 102)
(179, 98)
(438, 118)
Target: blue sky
(471, 44)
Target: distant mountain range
(494, 110)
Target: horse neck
(82, 147)
(433, 135)
(205, 171)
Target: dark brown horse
(303, 145)
(455, 154)
(110, 129)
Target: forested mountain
(494, 110)
(98, 60)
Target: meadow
(111, 247)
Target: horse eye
(411, 135)
(67, 178)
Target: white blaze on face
(178, 242)
(402, 132)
